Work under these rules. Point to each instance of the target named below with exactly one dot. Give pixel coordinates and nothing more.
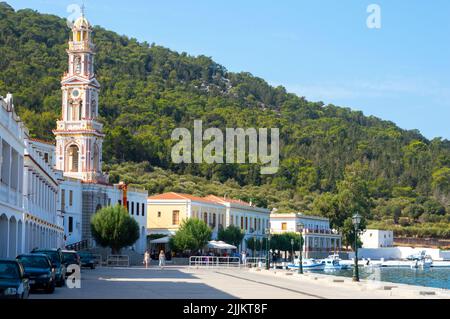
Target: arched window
(77, 64)
(73, 154)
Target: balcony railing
(306, 231)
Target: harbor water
(432, 277)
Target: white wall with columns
(12, 147)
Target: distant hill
(148, 90)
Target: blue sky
(320, 49)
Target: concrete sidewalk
(233, 283)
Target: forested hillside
(333, 160)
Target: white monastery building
(12, 149)
(375, 238)
(319, 238)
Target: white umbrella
(220, 245)
(164, 240)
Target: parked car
(57, 261)
(14, 284)
(70, 257)
(39, 270)
(87, 259)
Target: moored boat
(333, 262)
(307, 264)
(425, 262)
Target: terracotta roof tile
(42, 141)
(180, 196)
(227, 200)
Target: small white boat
(333, 262)
(418, 256)
(424, 263)
(307, 264)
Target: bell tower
(79, 136)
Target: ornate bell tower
(78, 134)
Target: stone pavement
(191, 283)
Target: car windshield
(34, 261)
(9, 271)
(69, 257)
(53, 255)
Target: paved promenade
(189, 283)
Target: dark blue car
(13, 281)
(57, 260)
(39, 270)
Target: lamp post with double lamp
(356, 220)
(267, 233)
(300, 264)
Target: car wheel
(51, 288)
(60, 282)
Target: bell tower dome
(79, 136)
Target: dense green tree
(231, 235)
(113, 227)
(193, 235)
(148, 90)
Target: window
(283, 226)
(63, 199)
(128, 206)
(176, 217)
(143, 209)
(120, 202)
(242, 222)
(73, 154)
(132, 208)
(70, 224)
(205, 218)
(70, 198)
(159, 214)
(214, 220)
(246, 223)
(46, 157)
(137, 209)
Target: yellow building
(166, 211)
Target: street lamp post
(267, 232)
(292, 250)
(260, 246)
(254, 247)
(356, 220)
(300, 264)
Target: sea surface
(432, 277)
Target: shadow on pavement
(113, 283)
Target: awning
(220, 245)
(164, 240)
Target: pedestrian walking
(162, 259)
(146, 259)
